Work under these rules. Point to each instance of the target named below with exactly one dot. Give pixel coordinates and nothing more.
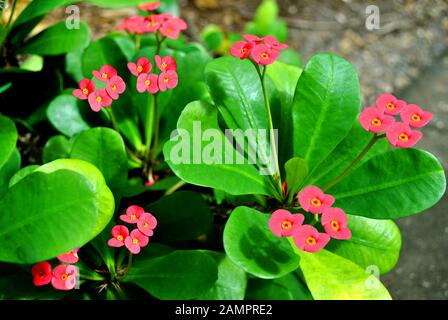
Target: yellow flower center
(85, 91)
(133, 217)
(264, 55)
(135, 241)
(416, 118)
(139, 69)
(244, 50)
(166, 80)
(390, 106)
(286, 225)
(104, 76)
(335, 225)
(64, 277)
(114, 87)
(316, 202)
(164, 65)
(147, 82)
(403, 137)
(311, 241)
(120, 237)
(146, 225)
(99, 99)
(376, 122)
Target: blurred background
(407, 55)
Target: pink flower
(168, 80)
(86, 87)
(274, 44)
(414, 116)
(388, 104)
(70, 257)
(105, 74)
(64, 277)
(400, 135)
(119, 234)
(283, 224)
(134, 25)
(264, 55)
(135, 241)
(166, 63)
(253, 38)
(334, 221)
(133, 214)
(148, 82)
(115, 87)
(374, 120)
(41, 273)
(242, 49)
(172, 28)
(312, 199)
(99, 99)
(143, 65)
(307, 238)
(153, 22)
(149, 6)
(146, 224)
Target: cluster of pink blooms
(166, 24)
(306, 237)
(151, 82)
(263, 51)
(380, 119)
(103, 97)
(63, 277)
(137, 238)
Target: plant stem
(12, 13)
(157, 126)
(129, 262)
(174, 188)
(361, 155)
(92, 278)
(137, 41)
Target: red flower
(388, 104)
(133, 214)
(86, 87)
(400, 135)
(135, 241)
(99, 99)
(312, 199)
(253, 38)
(274, 44)
(135, 25)
(119, 234)
(149, 6)
(146, 224)
(153, 22)
(307, 238)
(143, 65)
(70, 257)
(283, 224)
(64, 277)
(105, 74)
(115, 87)
(168, 80)
(41, 273)
(264, 55)
(414, 116)
(166, 63)
(334, 221)
(172, 28)
(374, 120)
(148, 82)
(242, 49)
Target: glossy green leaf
(21, 287)
(374, 243)
(9, 168)
(8, 139)
(326, 103)
(57, 147)
(250, 244)
(104, 148)
(56, 221)
(64, 114)
(58, 39)
(22, 173)
(395, 184)
(296, 171)
(331, 277)
(180, 275)
(231, 283)
(177, 221)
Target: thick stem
(174, 188)
(156, 127)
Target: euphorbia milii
(401, 135)
(133, 213)
(135, 241)
(70, 257)
(99, 99)
(166, 63)
(119, 234)
(253, 38)
(115, 87)
(307, 238)
(242, 49)
(312, 199)
(374, 120)
(64, 277)
(283, 223)
(273, 43)
(41, 273)
(415, 116)
(389, 104)
(86, 87)
(172, 28)
(143, 65)
(146, 224)
(148, 82)
(168, 80)
(264, 55)
(334, 221)
(105, 73)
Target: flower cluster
(137, 238)
(380, 119)
(103, 97)
(306, 237)
(263, 51)
(151, 82)
(63, 277)
(166, 24)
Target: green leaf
(57, 147)
(331, 277)
(183, 151)
(392, 185)
(296, 171)
(374, 243)
(104, 148)
(20, 287)
(9, 168)
(288, 287)
(250, 244)
(325, 105)
(180, 275)
(5, 87)
(63, 113)
(176, 221)
(37, 8)
(8, 139)
(231, 283)
(22, 173)
(57, 39)
(40, 217)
